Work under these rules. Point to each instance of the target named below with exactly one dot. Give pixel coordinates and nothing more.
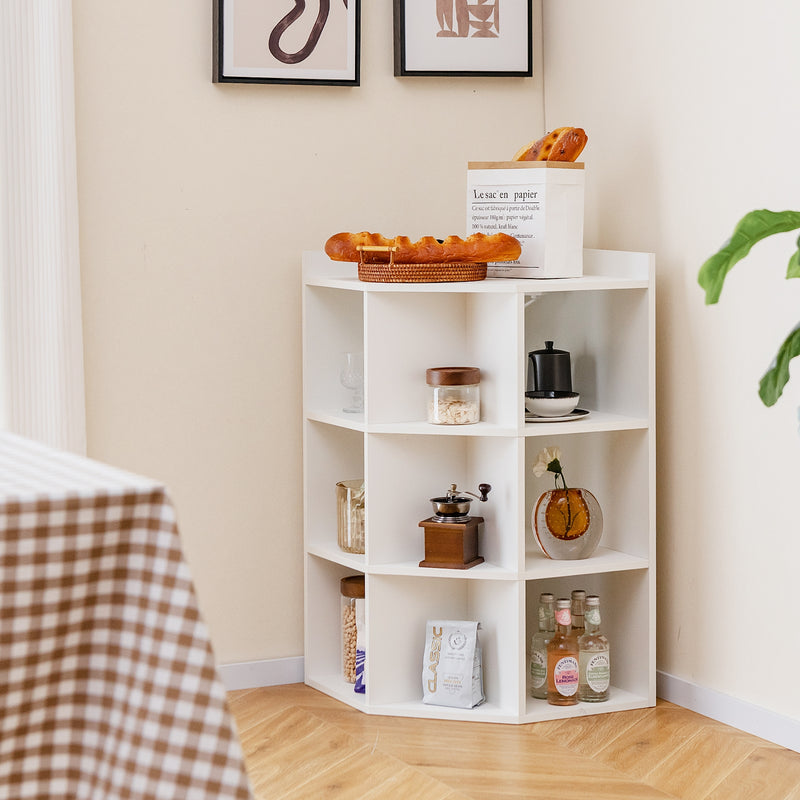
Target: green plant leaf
(794, 263)
(751, 228)
(777, 376)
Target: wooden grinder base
(451, 545)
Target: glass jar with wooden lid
(454, 395)
(352, 593)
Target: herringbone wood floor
(299, 743)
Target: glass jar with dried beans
(352, 591)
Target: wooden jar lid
(453, 376)
(353, 586)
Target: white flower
(544, 459)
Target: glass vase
(567, 524)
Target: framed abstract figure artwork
(463, 37)
(287, 41)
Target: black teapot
(549, 370)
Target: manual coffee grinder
(451, 534)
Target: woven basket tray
(420, 273)
(392, 272)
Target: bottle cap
(592, 600)
(563, 602)
(545, 597)
(578, 594)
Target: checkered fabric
(108, 688)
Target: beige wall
(691, 109)
(196, 201)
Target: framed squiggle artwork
(287, 41)
(463, 37)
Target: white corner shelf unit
(605, 319)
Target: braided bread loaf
(475, 249)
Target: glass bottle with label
(562, 659)
(539, 640)
(593, 657)
(578, 603)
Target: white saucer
(578, 413)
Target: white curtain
(41, 346)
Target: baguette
(562, 144)
(475, 249)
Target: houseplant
(752, 228)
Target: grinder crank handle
(483, 488)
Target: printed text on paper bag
(506, 209)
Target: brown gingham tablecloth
(108, 687)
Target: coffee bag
(452, 669)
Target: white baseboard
(269, 672)
(753, 719)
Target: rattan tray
(391, 272)
(420, 273)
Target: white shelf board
(416, 427)
(339, 418)
(485, 712)
(336, 686)
(619, 700)
(535, 711)
(424, 428)
(594, 421)
(484, 571)
(338, 556)
(602, 271)
(537, 566)
(530, 287)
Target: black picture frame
(249, 38)
(455, 49)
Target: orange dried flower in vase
(567, 522)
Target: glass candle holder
(350, 510)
